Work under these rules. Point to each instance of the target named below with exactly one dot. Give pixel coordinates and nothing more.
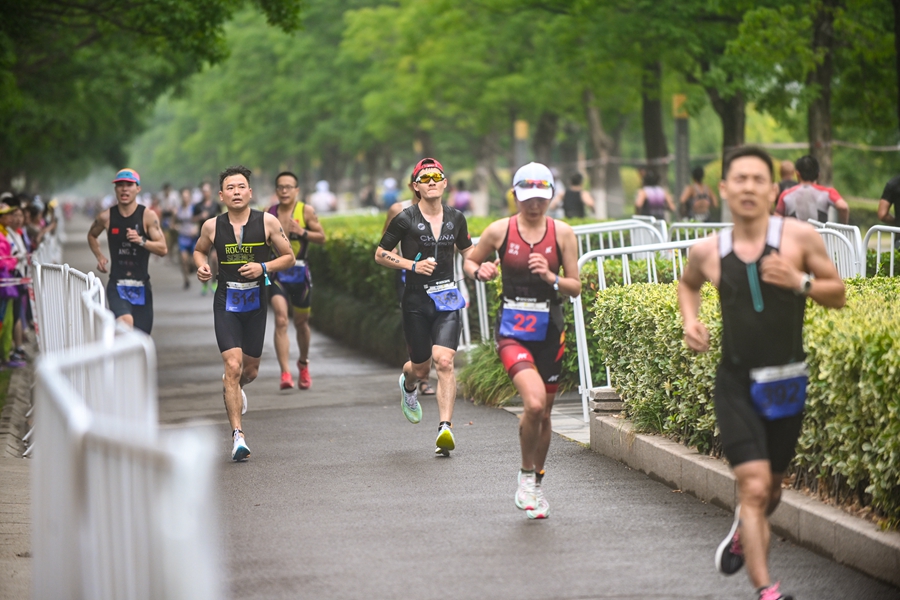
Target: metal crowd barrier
(691, 231)
(586, 383)
(57, 296)
(877, 231)
(609, 234)
(842, 253)
(118, 511)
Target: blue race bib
(131, 291)
(294, 275)
(779, 392)
(526, 321)
(242, 297)
(446, 296)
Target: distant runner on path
(132, 233)
(765, 268)
(242, 238)
(530, 331)
(292, 289)
(431, 301)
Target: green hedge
(850, 445)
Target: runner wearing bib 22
(530, 330)
(762, 269)
(241, 238)
(431, 322)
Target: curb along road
(806, 521)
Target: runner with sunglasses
(428, 231)
(530, 332)
(762, 267)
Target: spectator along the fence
(809, 200)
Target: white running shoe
(525, 499)
(239, 451)
(541, 508)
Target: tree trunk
(819, 113)
(615, 192)
(568, 152)
(485, 155)
(732, 112)
(545, 137)
(896, 4)
(655, 147)
(600, 144)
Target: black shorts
(425, 326)
(297, 295)
(745, 435)
(142, 315)
(545, 355)
(246, 330)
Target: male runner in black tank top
(428, 231)
(133, 234)
(242, 237)
(762, 269)
(532, 249)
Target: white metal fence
(118, 511)
(673, 249)
(878, 232)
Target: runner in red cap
(431, 301)
(133, 234)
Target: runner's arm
(474, 265)
(843, 210)
(696, 336)
(570, 285)
(276, 237)
(202, 247)
(384, 254)
(587, 199)
(97, 227)
(155, 241)
(315, 233)
(884, 212)
(827, 286)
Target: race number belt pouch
(525, 320)
(131, 291)
(446, 296)
(779, 392)
(296, 274)
(242, 297)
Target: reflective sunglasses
(540, 184)
(429, 177)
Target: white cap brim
(523, 194)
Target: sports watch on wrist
(556, 284)
(805, 285)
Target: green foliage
(881, 266)
(850, 444)
(483, 378)
(78, 79)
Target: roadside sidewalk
(15, 489)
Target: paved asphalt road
(342, 497)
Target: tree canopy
(356, 89)
(79, 79)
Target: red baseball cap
(426, 163)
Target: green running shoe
(409, 402)
(445, 441)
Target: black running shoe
(730, 554)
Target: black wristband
(305, 234)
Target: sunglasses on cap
(540, 184)
(429, 177)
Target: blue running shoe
(409, 402)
